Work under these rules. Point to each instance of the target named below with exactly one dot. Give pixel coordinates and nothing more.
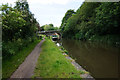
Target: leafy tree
(48, 27)
(51, 25)
(18, 27)
(81, 21)
(56, 28)
(30, 26)
(108, 19)
(70, 29)
(12, 23)
(42, 28)
(92, 21)
(68, 14)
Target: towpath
(26, 69)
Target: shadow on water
(100, 60)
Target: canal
(100, 60)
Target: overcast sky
(49, 11)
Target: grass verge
(11, 64)
(52, 64)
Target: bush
(12, 48)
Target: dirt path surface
(26, 69)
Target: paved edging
(77, 66)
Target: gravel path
(26, 69)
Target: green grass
(11, 64)
(52, 64)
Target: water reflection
(100, 60)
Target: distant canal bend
(100, 60)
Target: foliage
(68, 14)
(11, 63)
(108, 18)
(93, 19)
(48, 27)
(18, 27)
(12, 23)
(18, 22)
(10, 49)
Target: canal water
(100, 60)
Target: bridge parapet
(53, 31)
(50, 32)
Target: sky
(49, 11)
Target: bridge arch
(48, 33)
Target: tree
(18, 28)
(108, 19)
(48, 27)
(80, 22)
(12, 23)
(51, 25)
(68, 14)
(94, 21)
(30, 27)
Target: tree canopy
(18, 27)
(93, 20)
(18, 21)
(68, 14)
(48, 27)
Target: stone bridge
(50, 32)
